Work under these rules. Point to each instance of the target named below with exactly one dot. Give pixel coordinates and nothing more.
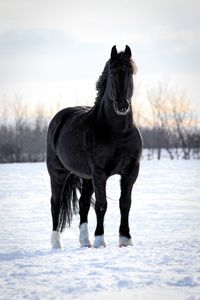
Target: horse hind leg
(84, 206)
(57, 185)
(55, 236)
(58, 175)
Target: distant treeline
(27, 143)
(22, 132)
(159, 143)
(23, 141)
(167, 124)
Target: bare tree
(39, 131)
(158, 98)
(183, 121)
(173, 119)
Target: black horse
(86, 145)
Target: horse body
(90, 144)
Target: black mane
(101, 84)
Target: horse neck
(115, 122)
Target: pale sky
(55, 50)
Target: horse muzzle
(122, 110)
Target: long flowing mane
(101, 84)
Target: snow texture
(163, 263)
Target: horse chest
(117, 163)
(113, 158)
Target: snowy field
(164, 262)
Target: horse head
(120, 79)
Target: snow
(164, 262)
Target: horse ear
(113, 54)
(128, 51)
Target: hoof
(124, 241)
(99, 241)
(55, 240)
(84, 236)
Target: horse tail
(69, 200)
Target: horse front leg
(84, 206)
(99, 183)
(127, 181)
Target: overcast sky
(57, 49)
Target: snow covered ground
(164, 262)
